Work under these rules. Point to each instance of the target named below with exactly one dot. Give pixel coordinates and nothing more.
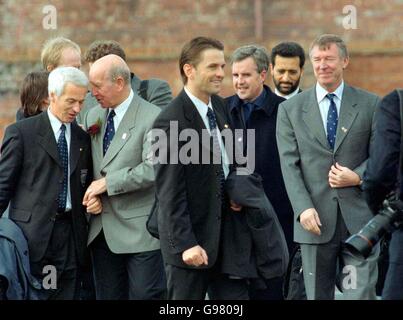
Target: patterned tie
(110, 131)
(247, 110)
(332, 119)
(216, 146)
(64, 158)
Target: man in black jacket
(190, 195)
(254, 106)
(45, 168)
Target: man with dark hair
(287, 67)
(191, 198)
(155, 91)
(323, 136)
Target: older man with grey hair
(120, 244)
(45, 167)
(323, 136)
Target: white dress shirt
(324, 103)
(202, 108)
(120, 110)
(288, 96)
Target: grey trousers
(319, 264)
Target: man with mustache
(287, 67)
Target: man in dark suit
(45, 167)
(155, 91)
(380, 178)
(287, 67)
(323, 136)
(255, 107)
(190, 195)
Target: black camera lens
(361, 244)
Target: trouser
(319, 264)
(193, 284)
(60, 256)
(134, 276)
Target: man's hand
(96, 187)
(195, 256)
(310, 221)
(94, 205)
(340, 177)
(234, 206)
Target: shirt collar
(55, 122)
(121, 109)
(322, 92)
(259, 101)
(288, 96)
(200, 105)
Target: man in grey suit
(126, 258)
(323, 137)
(155, 91)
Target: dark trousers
(135, 276)
(393, 289)
(60, 254)
(193, 284)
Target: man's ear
(188, 70)
(271, 68)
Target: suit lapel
(348, 113)
(122, 135)
(75, 147)
(191, 114)
(313, 120)
(46, 138)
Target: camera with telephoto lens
(389, 218)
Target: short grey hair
(60, 77)
(324, 41)
(257, 53)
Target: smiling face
(328, 66)
(205, 78)
(247, 81)
(68, 105)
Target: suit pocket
(20, 215)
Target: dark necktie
(247, 110)
(109, 131)
(64, 158)
(332, 120)
(216, 146)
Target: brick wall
(153, 32)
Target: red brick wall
(153, 32)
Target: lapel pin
(344, 129)
(124, 136)
(81, 149)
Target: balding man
(127, 260)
